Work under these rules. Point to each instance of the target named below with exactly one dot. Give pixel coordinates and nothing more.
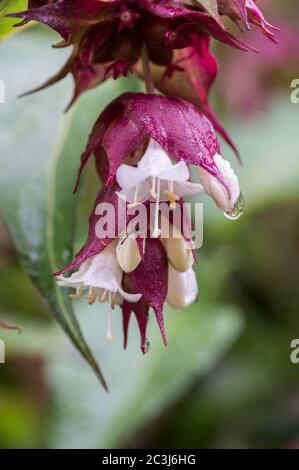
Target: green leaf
(10, 6)
(141, 386)
(7, 5)
(40, 153)
(198, 337)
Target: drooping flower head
(145, 144)
(137, 271)
(148, 266)
(183, 132)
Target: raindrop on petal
(237, 210)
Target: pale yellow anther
(103, 296)
(173, 198)
(77, 295)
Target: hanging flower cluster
(145, 143)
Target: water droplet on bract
(147, 346)
(238, 209)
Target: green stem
(149, 84)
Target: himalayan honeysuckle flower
(155, 178)
(145, 144)
(153, 264)
(133, 271)
(101, 276)
(177, 130)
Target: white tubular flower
(216, 190)
(101, 275)
(128, 254)
(155, 178)
(182, 288)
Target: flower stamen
(78, 293)
(113, 300)
(173, 198)
(135, 202)
(103, 296)
(153, 190)
(109, 332)
(157, 231)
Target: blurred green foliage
(7, 24)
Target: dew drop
(237, 210)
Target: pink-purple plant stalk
(145, 143)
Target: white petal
(68, 282)
(104, 271)
(216, 190)
(129, 177)
(187, 188)
(154, 163)
(100, 271)
(180, 189)
(155, 159)
(129, 297)
(177, 172)
(129, 194)
(76, 279)
(182, 288)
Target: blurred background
(226, 379)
